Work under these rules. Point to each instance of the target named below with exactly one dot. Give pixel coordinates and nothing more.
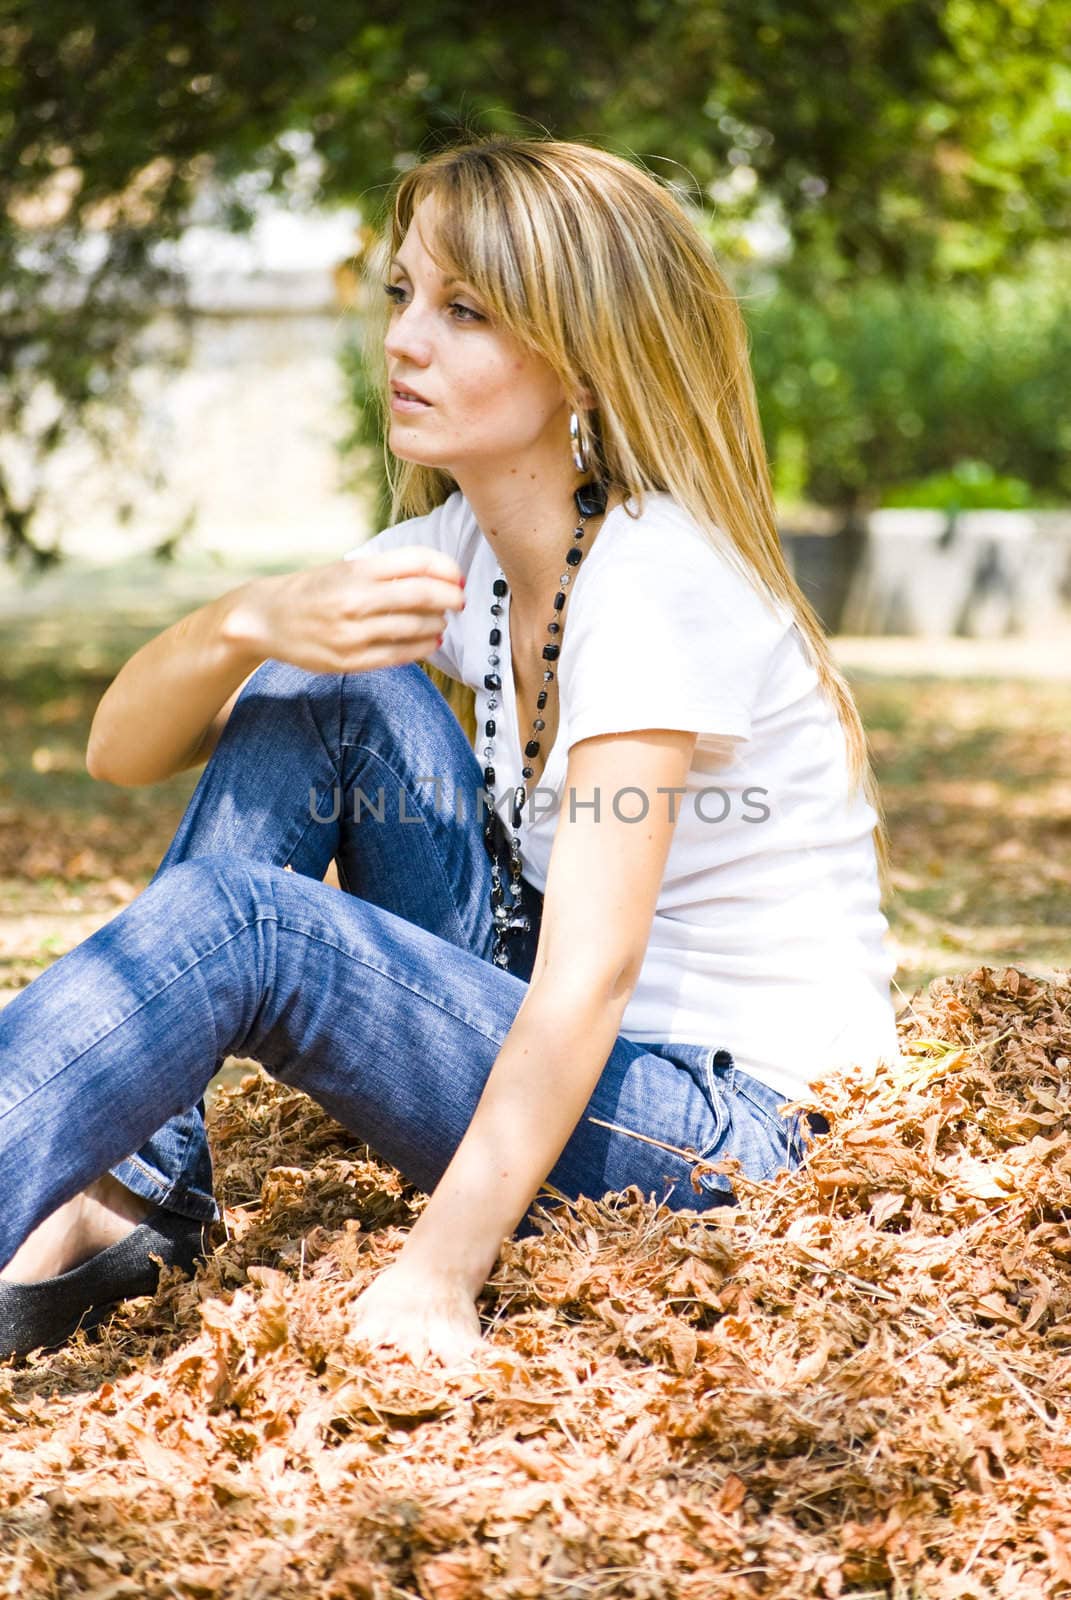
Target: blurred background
(185, 196)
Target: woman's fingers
(408, 579)
(398, 598)
(362, 612)
(387, 642)
(417, 1316)
(420, 1345)
(398, 613)
(399, 626)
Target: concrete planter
(981, 574)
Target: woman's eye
(396, 295)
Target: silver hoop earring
(581, 460)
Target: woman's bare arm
(602, 889)
(153, 719)
(169, 703)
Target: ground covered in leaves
(857, 1381)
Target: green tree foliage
(903, 137)
(908, 139)
(866, 387)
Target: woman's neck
(529, 524)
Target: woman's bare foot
(100, 1216)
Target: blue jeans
(381, 1001)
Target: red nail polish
(462, 583)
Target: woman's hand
(418, 1314)
(378, 609)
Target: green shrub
(970, 486)
(879, 393)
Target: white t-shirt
(768, 937)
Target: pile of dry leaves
(856, 1382)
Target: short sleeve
(666, 634)
(442, 528)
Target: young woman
(617, 932)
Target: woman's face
(486, 403)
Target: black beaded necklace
(509, 918)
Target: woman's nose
(405, 340)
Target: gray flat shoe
(45, 1314)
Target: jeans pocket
(696, 1060)
(716, 1063)
(749, 1125)
(788, 1131)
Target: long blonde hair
(594, 265)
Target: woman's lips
(406, 399)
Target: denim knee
(280, 679)
(401, 693)
(277, 682)
(232, 883)
(396, 684)
(398, 698)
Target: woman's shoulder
(657, 524)
(656, 549)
